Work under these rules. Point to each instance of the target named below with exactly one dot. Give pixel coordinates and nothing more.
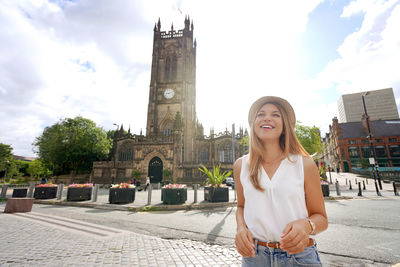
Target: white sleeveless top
(267, 213)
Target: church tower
(173, 85)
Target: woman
(279, 198)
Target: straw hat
(272, 99)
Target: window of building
(353, 152)
(342, 152)
(352, 141)
(188, 173)
(364, 141)
(126, 154)
(378, 140)
(225, 154)
(380, 151)
(174, 68)
(392, 140)
(394, 151)
(366, 151)
(167, 68)
(167, 128)
(204, 156)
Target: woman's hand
(295, 236)
(244, 242)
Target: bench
(19, 205)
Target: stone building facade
(174, 145)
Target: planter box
(45, 192)
(19, 192)
(173, 195)
(79, 193)
(121, 195)
(218, 194)
(18, 205)
(325, 189)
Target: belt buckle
(273, 244)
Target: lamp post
(114, 173)
(371, 145)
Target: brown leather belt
(277, 245)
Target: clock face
(169, 93)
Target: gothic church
(174, 146)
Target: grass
(150, 208)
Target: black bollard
(350, 188)
(356, 180)
(337, 188)
(395, 189)
(367, 180)
(346, 181)
(364, 185)
(377, 190)
(359, 190)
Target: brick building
(347, 144)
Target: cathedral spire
(159, 24)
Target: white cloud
(93, 58)
(368, 57)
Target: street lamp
(376, 171)
(113, 173)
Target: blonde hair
(288, 142)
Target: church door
(155, 170)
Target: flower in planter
(123, 185)
(80, 185)
(46, 185)
(173, 186)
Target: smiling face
(268, 124)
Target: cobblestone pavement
(37, 239)
(32, 239)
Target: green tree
(12, 170)
(22, 167)
(72, 145)
(309, 138)
(5, 156)
(37, 168)
(136, 174)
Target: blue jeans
(275, 257)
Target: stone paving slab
(27, 242)
(36, 239)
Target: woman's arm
(244, 239)
(295, 235)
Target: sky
(61, 59)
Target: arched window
(167, 128)
(225, 153)
(174, 68)
(125, 153)
(204, 155)
(167, 68)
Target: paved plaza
(36, 239)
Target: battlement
(171, 34)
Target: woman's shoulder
(239, 162)
(308, 163)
